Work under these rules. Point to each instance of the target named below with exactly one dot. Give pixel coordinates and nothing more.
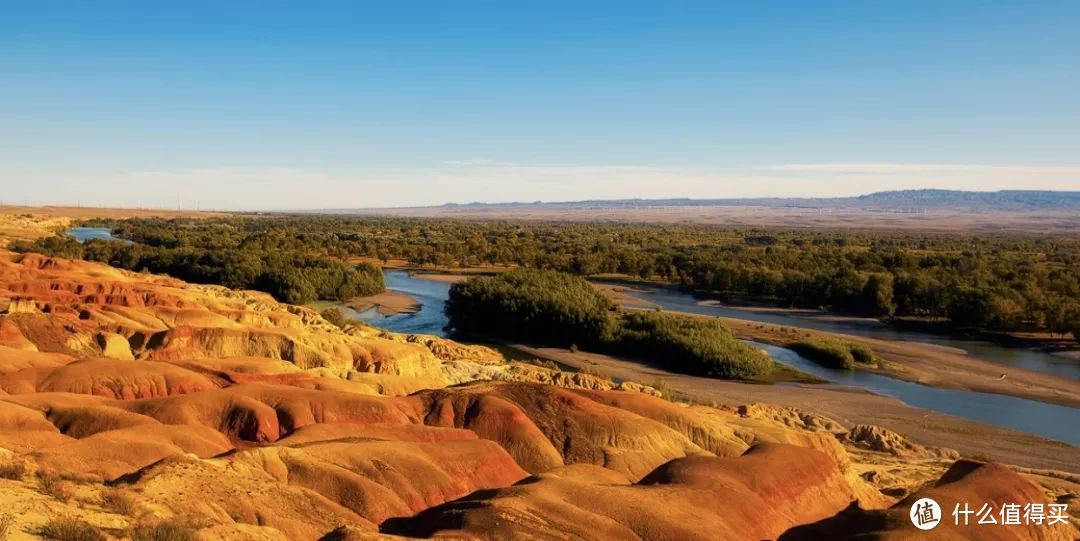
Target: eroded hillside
(130, 402)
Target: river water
(430, 319)
(678, 301)
(1047, 420)
(83, 234)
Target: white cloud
(909, 168)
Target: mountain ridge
(923, 198)
(895, 200)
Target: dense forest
(999, 283)
(555, 308)
(291, 276)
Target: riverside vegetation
(556, 308)
(960, 282)
(834, 353)
(257, 262)
(983, 283)
(138, 406)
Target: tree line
(555, 308)
(290, 276)
(983, 283)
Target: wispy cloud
(909, 168)
(264, 188)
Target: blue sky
(354, 104)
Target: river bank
(388, 303)
(847, 405)
(632, 291)
(928, 364)
(932, 365)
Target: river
(1047, 420)
(679, 301)
(83, 234)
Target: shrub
(595, 372)
(834, 353)
(559, 309)
(689, 344)
(862, 353)
(7, 520)
(167, 530)
(52, 485)
(663, 387)
(14, 470)
(525, 304)
(69, 529)
(118, 501)
(335, 317)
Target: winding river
(1047, 420)
(679, 301)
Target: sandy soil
(932, 365)
(623, 295)
(440, 277)
(846, 405)
(388, 303)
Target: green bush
(1000, 282)
(290, 276)
(532, 305)
(862, 353)
(834, 353)
(689, 344)
(554, 308)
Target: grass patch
(7, 521)
(558, 309)
(14, 470)
(834, 353)
(69, 529)
(663, 387)
(52, 485)
(595, 372)
(118, 501)
(688, 344)
(166, 530)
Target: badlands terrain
(134, 405)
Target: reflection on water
(428, 320)
(83, 234)
(1048, 420)
(678, 301)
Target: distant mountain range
(913, 200)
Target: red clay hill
(132, 403)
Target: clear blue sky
(334, 104)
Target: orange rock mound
(250, 419)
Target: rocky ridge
(251, 419)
